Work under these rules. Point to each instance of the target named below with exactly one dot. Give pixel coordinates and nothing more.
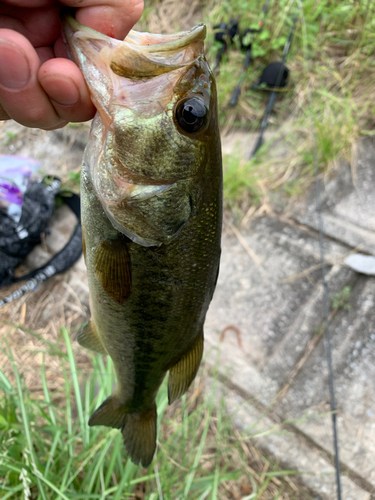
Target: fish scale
(151, 190)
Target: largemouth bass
(151, 190)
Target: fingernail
(14, 66)
(61, 89)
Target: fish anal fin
(88, 337)
(183, 373)
(113, 268)
(110, 413)
(138, 429)
(139, 433)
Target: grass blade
(75, 381)
(26, 426)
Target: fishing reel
(224, 33)
(246, 38)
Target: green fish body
(151, 188)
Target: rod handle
(235, 95)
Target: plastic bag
(15, 175)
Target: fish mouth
(140, 55)
(158, 54)
(127, 73)
(134, 84)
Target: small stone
(364, 264)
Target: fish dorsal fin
(183, 373)
(113, 268)
(88, 337)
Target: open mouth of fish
(139, 60)
(135, 81)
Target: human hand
(39, 86)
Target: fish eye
(191, 114)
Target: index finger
(114, 18)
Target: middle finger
(39, 25)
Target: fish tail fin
(138, 429)
(139, 433)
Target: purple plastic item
(15, 174)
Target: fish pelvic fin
(89, 338)
(139, 433)
(110, 413)
(138, 429)
(183, 373)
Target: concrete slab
(279, 358)
(353, 344)
(276, 320)
(289, 449)
(348, 201)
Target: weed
(10, 137)
(74, 125)
(340, 300)
(337, 38)
(240, 179)
(47, 450)
(75, 177)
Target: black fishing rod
(224, 34)
(246, 45)
(324, 283)
(273, 95)
(326, 311)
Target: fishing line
(325, 285)
(273, 95)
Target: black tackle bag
(17, 239)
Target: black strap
(60, 262)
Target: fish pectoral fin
(139, 433)
(183, 373)
(110, 413)
(88, 337)
(113, 268)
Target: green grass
(241, 179)
(331, 49)
(341, 299)
(340, 110)
(338, 38)
(47, 450)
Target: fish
(151, 203)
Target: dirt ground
(63, 299)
